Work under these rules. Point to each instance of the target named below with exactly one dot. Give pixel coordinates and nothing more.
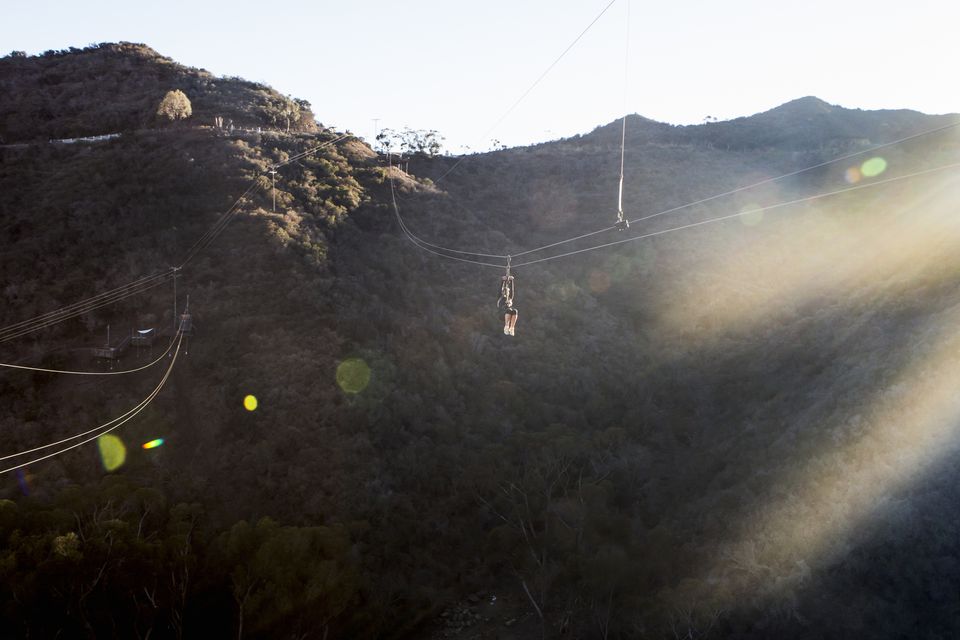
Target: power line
(211, 233)
(69, 307)
(254, 186)
(91, 373)
(81, 308)
(311, 151)
(116, 422)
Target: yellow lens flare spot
(751, 216)
(853, 175)
(112, 451)
(250, 403)
(873, 167)
(353, 375)
(153, 444)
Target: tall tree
(175, 106)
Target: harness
(506, 289)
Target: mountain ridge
(716, 429)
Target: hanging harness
(506, 289)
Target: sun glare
(906, 422)
(827, 255)
(897, 436)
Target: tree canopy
(175, 106)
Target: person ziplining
(622, 223)
(505, 303)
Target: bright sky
(458, 66)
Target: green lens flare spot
(873, 167)
(353, 375)
(250, 403)
(112, 452)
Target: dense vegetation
(719, 432)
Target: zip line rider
(505, 303)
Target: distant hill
(735, 419)
(804, 124)
(109, 88)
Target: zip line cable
(412, 238)
(742, 213)
(423, 243)
(255, 185)
(749, 186)
(531, 88)
(804, 170)
(718, 195)
(701, 222)
(492, 128)
(119, 422)
(91, 373)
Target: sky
(459, 67)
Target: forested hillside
(740, 429)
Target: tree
(411, 142)
(175, 106)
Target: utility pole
(273, 178)
(376, 129)
(175, 269)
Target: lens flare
(353, 375)
(853, 175)
(873, 167)
(112, 452)
(153, 444)
(250, 403)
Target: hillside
(742, 429)
(109, 88)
